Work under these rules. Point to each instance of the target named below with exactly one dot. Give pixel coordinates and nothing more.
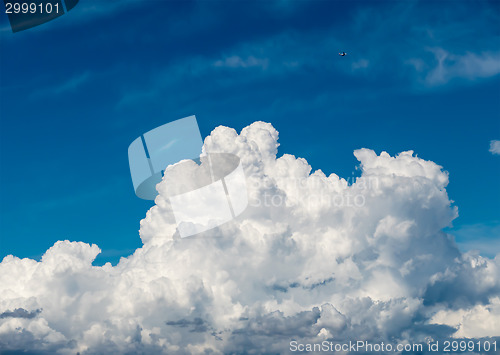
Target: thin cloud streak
(495, 147)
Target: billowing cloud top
(312, 258)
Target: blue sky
(75, 92)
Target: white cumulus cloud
(312, 258)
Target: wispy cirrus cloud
(238, 62)
(360, 64)
(422, 54)
(495, 147)
(469, 66)
(67, 85)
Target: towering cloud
(312, 258)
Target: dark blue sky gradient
(75, 92)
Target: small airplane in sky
(343, 54)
